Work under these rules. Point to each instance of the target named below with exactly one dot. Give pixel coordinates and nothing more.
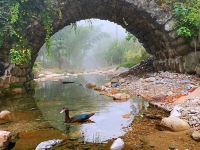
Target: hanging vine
(15, 16)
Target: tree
(68, 46)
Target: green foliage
(16, 85)
(47, 22)
(187, 14)
(184, 32)
(14, 10)
(17, 15)
(130, 37)
(114, 53)
(126, 53)
(69, 46)
(19, 57)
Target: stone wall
(152, 25)
(15, 74)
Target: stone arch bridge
(150, 23)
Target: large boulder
(5, 138)
(175, 124)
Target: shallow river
(37, 117)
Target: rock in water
(5, 137)
(46, 145)
(118, 144)
(196, 136)
(5, 115)
(98, 88)
(175, 124)
(121, 96)
(90, 85)
(108, 84)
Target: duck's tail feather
(90, 115)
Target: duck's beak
(62, 111)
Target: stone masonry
(150, 23)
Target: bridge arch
(150, 23)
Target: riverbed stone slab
(175, 124)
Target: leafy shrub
(187, 15)
(126, 53)
(19, 57)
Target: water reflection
(109, 120)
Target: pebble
(196, 136)
(176, 112)
(172, 147)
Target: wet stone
(196, 136)
(5, 137)
(114, 80)
(172, 147)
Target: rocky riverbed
(174, 92)
(178, 94)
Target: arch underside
(141, 18)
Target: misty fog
(87, 46)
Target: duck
(75, 119)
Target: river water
(37, 118)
